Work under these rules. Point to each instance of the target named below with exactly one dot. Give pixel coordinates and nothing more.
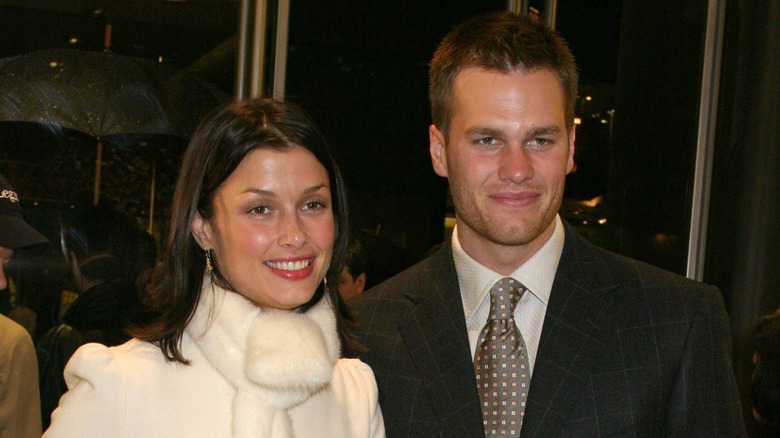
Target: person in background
(145, 264)
(765, 381)
(353, 276)
(580, 341)
(252, 327)
(20, 407)
(101, 245)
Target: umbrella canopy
(102, 93)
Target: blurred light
(602, 221)
(593, 202)
(604, 121)
(73, 40)
(588, 98)
(665, 239)
(160, 59)
(54, 64)
(577, 121)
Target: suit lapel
(435, 335)
(573, 337)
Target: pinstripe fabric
(626, 350)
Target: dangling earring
(325, 284)
(209, 265)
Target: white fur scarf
(274, 359)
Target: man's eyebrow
(539, 131)
(484, 131)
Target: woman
(252, 326)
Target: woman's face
(272, 232)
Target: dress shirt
(536, 274)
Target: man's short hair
(356, 259)
(765, 387)
(504, 42)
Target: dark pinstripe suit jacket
(626, 350)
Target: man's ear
(570, 160)
(438, 152)
(201, 231)
(360, 282)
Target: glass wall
(360, 69)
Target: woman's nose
(292, 233)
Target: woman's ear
(201, 231)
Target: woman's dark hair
(219, 144)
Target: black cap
(15, 233)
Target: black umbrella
(102, 94)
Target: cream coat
(132, 391)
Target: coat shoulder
(586, 263)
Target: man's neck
(503, 259)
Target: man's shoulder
(598, 266)
(12, 334)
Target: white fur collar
(274, 359)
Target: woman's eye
(314, 206)
(260, 209)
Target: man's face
(5, 257)
(349, 285)
(506, 157)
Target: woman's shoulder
(129, 350)
(95, 358)
(354, 385)
(354, 365)
(352, 372)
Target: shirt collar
(537, 273)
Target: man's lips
(297, 269)
(515, 198)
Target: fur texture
(275, 359)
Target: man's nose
(515, 165)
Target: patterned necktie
(501, 363)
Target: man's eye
(540, 142)
(486, 141)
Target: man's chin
(517, 234)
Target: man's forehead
(478, 83)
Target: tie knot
(504, 296)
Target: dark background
(360, 68)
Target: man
(102, 246)
(611, 346)
(20, 407)
(765, 379)
(353, 274)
